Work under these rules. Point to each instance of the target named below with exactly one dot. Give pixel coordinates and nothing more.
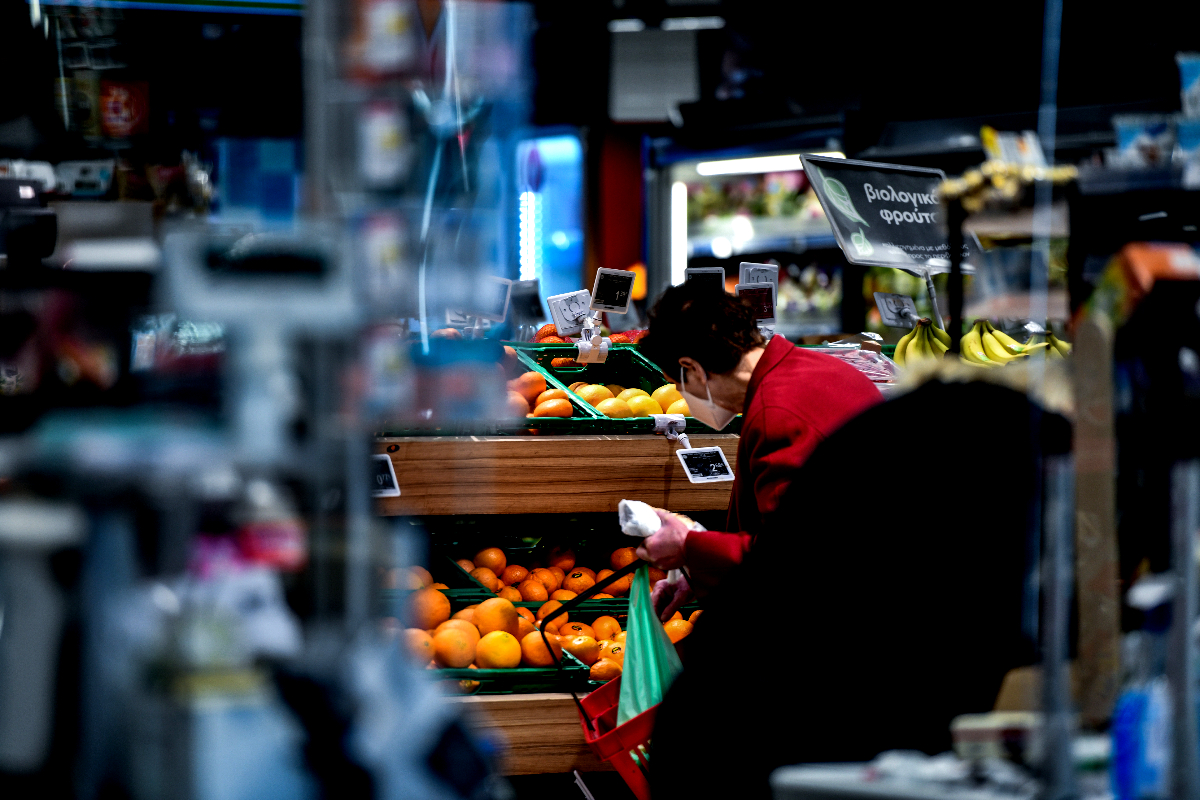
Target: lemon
(593, 393)
(680, 406)
(629, 394)
(666, 395)
(612, 407)
(643, 405)
(615, 388)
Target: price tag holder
(593, 352)
(705, 464)
(896, 310)
(383, 474)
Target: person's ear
(691, 365)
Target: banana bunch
(987, 346)
(924, 342)
(1056, 348)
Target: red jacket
(795, 399)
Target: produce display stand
(515, 474)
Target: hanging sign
(885, 215)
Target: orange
(544, 331)
(621, 586)
(578, 582)
(677, 629)
(487, 578)
(466, 564)
(590, 572)
(529, 385)
(467, 613)
(605, 670)
(602, 574)
(695, 616)
(559, 576)
(511, 593)
(419, 644)
(665, 395)
(675, 616)
(577, 629)
(680, 406)
(546, 578)
(643, 406)
(524, 627)
(622, 557)
(585, 648)
(602, 596)
(513, 575)
(492, 558)
(423, 574)
(552, 605)
(454, 648)
(552, 340)
(606, 627)
(525, 612)
(462, 625)
(620, 637)
(563, 594)
(534, 652)
(428, 608)
(550, 394)
(496, 614)
(438, 586)
(629, 394)
(517, 405)
(594, 393)
(574, 387)
(498, 650)
(533, 591)
(562, 557)
(402, 579)
(614, 651)
(656, 575)
(554, 408)
(552, 626)
(614, 408)
(561, 363)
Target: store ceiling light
(693, 24)
(626, 26)
(757, 164)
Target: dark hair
(693, 320)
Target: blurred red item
(124, 108)
(612, 742)
(282, 544)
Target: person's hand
(664, 549)
(668, 598)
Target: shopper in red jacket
(792, 399)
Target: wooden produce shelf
(546, 474)
(542, 732)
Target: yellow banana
(993, 349)
(972, 348)
(1011, 345)
(918, 348)
(935, 343)
(1053, 354)
(940, 335)
(898, 356)
(1064, 348)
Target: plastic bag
(651, 663)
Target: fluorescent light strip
(679, 233)
(693, 24)
(758, 164)
(626, 26)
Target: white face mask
(706, 411)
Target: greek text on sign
(885, 215)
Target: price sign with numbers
(383, 477)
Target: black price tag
(383, 477)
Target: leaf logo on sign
(841, 198)
(861, 244)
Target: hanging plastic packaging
(651, 663)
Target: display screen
(526, 301)
(705, 463)
(493, 295)
(613, 290)
(715, 280)
(762, 300)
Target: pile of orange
(616, 402)
(561, 580)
